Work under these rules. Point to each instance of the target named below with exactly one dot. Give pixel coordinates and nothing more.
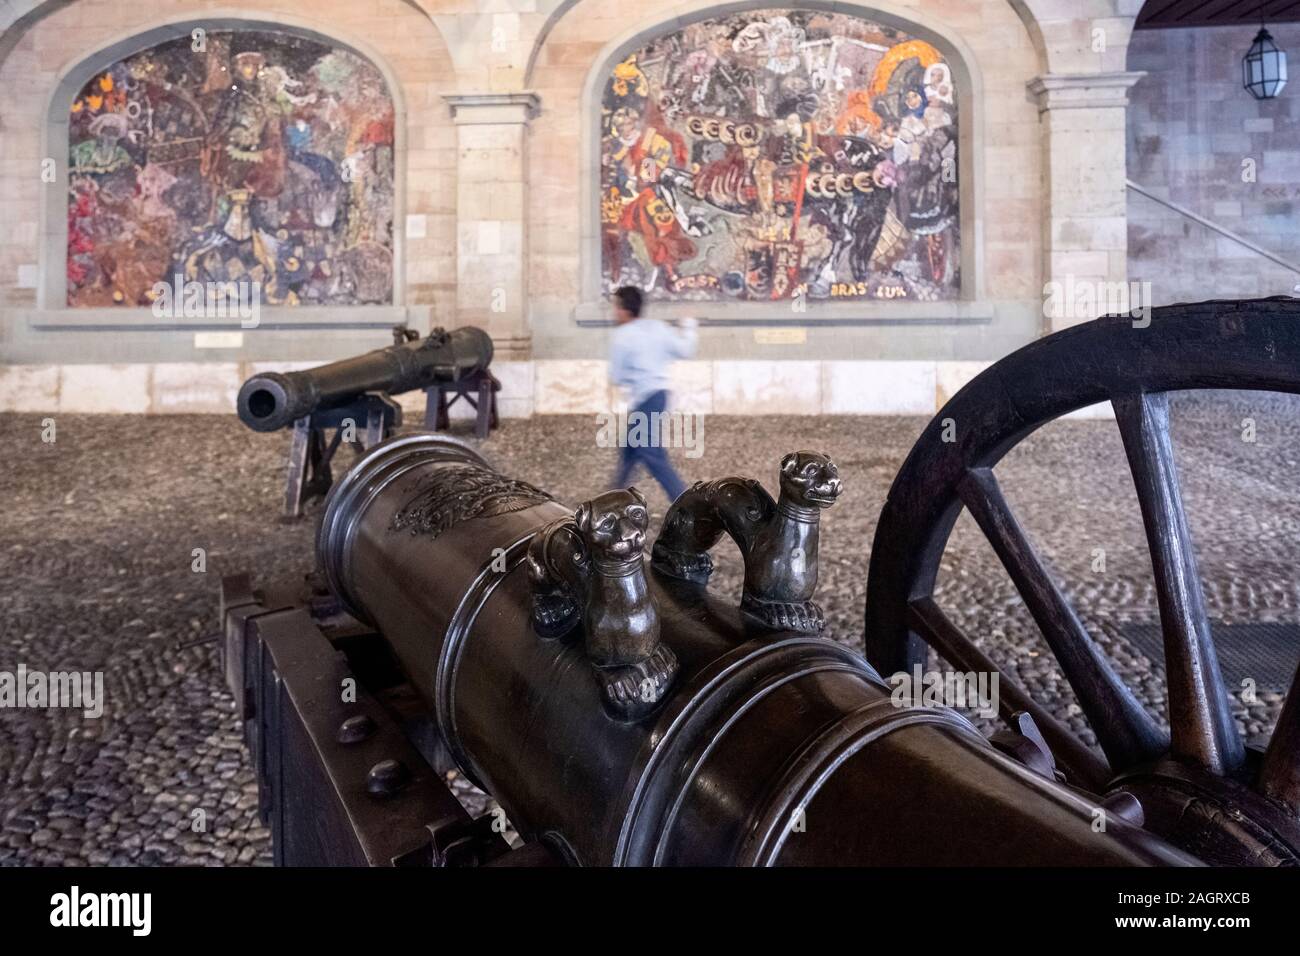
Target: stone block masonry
(497, 142)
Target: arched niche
(258, 150)
(857, 96)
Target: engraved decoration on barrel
(775, 154)
(454, 494)
(265, 157)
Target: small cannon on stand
(352, 397)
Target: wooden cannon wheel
(1199, 785)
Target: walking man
(641, 353)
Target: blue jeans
(654, 457)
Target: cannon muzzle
(274, 400)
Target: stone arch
(552, 11)
(1063, 35)
(20, 15)
(960, 58)
(52, 289)
(1052, 26)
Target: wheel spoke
(1200, 721)
(1083, 766)
(1127, 734)
(1279, 773)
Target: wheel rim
(1230, 345)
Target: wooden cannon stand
(372, 417)
(479, 389)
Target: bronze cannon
(621, 714)
(274, 400)
(351, 399)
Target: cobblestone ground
(99, 527)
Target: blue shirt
(641, 353)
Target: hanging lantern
(1263, 68)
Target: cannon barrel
(274, 400)
(766, 747)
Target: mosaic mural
(772, 154)
(246, 156)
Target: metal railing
(1214, 226)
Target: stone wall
(70, 41)
(1191, 128)
(1001, 194)
(545, 386)
(497, 121)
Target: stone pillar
(1085, 243)
(491, 213)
